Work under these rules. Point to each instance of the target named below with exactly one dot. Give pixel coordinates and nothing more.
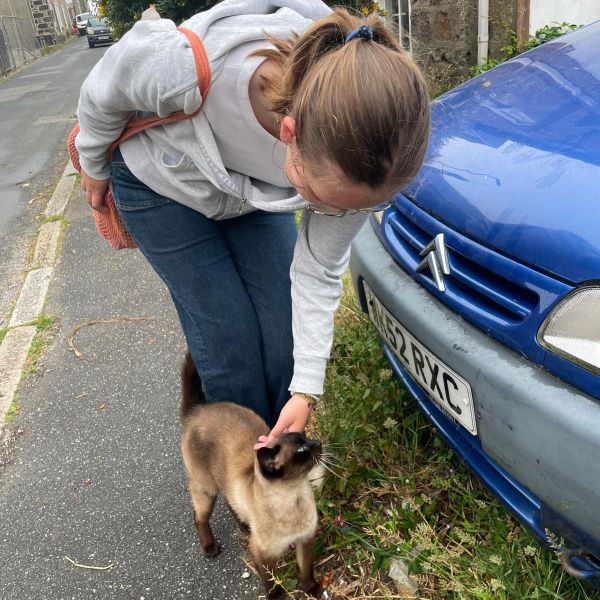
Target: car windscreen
(96, 22)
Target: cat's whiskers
(324, 465)
(330, 460)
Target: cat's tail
(191, 387)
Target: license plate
(445, 387)
(102, 37)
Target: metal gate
(17, 42)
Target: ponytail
(362, 105)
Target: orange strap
(137, 124)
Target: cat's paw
(211, 550)
(315, 591)
(276, 593)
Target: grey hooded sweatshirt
(151, 70)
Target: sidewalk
(94, 470)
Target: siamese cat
(267, 490)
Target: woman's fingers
(95, 190)
(263, 440)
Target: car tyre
(90, 44)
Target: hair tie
(364, 31)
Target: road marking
(14, 93)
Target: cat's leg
(202, 486)
(265, 565)
(305, 557)
(204, 494)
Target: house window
(399, 14)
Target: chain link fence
(18, 44)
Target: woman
(301, 97)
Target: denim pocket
(130, 193)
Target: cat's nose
(316, 446)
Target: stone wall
(444, 40)
(44, 23)
(501, 23)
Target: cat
(268, 490)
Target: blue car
(483, 281)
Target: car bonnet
(514, 158)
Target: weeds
(541, 36)
(401, 492)
(41, 340)
(11, 413)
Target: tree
(122, 14)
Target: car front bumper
(101, 38)
(538, 439)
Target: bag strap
(137, 124)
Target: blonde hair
(362, 105)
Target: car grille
(505, 298)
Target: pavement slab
(47, 243)
(94, 470)
(13, 352)
(32, 297)
(58, 201)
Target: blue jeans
(231, 287)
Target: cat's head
(289, 456)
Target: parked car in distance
(483, 281)
(81, 21)
(99, 31)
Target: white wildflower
(496, 585)
(390, 423)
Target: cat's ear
(267, 459)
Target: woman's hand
(293, 417)
(94, 191)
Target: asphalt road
(90, 469)
(37, 110)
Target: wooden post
(522, 23)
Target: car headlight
(572, 329)
(90, 31)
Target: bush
(541, 36)
(122, 14)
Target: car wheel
(90, 44)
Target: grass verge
(11, 413)
(401, 492)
